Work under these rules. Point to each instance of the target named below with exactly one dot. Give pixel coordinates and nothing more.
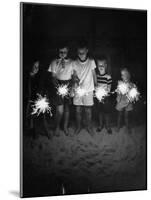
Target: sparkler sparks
(80, 91)
(41, 105)
(63, 90)
(101, 93)
(122, 88)
(133, 94)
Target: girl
(123, 104)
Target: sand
(84, 164)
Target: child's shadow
(15, 193)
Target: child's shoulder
(54, 61)
(91, 60)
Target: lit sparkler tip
(63, 90)
(101, 93)
(122, 87)
(41, 105)
(133, 94)
(80, 91)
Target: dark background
(120, 35)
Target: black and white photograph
(83, 99)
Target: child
(85, 70)
(103, 80)
(123, 103)
(33, 86)
(62, 71)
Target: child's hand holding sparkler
(80, 91)
(122, 87)
(101, 93)
(63, 90)
(130, 90)
(133, 94)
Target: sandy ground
(83, 163)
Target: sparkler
(122, 88)
(101, 93)
(41, 105)
(63, 90)
(133, 94)
(80, 91)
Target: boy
(62, 71)
(85, 70)
(103, 80)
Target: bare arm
(94, 77)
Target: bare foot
(109, 130)
(66, 131)
(117, 129)
(99, 129)
(90, 131)
(128, 130)
(49, 135)
(56, 132)
(77, 131)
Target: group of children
(87, 74)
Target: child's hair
(125, 69)
(82, 44)
(63, 45)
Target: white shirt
(84, 71)
(61, 73)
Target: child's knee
(88, 110)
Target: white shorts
(85, 100)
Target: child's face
(35, 67)
(124, 76)
(63, 53)
(82, 54)
(102, 66)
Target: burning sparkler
(63, 90)
(133, 94)
(80, 91)
(41, 105)
(101, 93)
(122, 88)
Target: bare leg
(78, 120)
(101, 118)
(88, 114)
(49, 135)
(66, 119)
(107, 123)
(119, 119)
(59, 113)
(126, 118)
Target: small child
(103, 80)
(123, 103)
(85, 70)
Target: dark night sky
(119, 34)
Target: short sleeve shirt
(62, 72)
(84, 71)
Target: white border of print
(9, 100)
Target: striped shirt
(104, 80)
